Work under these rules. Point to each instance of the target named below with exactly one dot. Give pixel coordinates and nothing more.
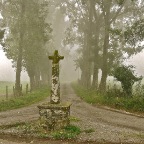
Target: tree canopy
(28, 33)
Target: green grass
(74, 119)
(111, 98)
(35, 128)
(10, 85)
(25, 100)
(69, 132)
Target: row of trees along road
(103, 30)
(26, 38)
(106, 33)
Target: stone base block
(54, 116)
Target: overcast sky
(138, 61)
(7, 73)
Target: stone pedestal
(54, 116)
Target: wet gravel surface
(107, 125)
(99, 125)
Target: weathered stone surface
(54, 116)
(55, 91)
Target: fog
(7, 73)
(67, 71)
(137, 61)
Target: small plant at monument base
(74, 119)
(35, 129)
(68, 132)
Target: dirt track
(107, 125)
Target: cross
(56, 57)
(55, 90)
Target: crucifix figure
(55, 90)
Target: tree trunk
(102, 86)
(104, 66)
(95, 76)
(18, 91)
(96, 59)
(32, 82)
(86, 65)
(87, 52)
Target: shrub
(125, 75)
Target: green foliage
(32, 24)
(74, 119)
(28, 32)
(87, 27)
(125, 75)
(120, 2)
(69, 132)
(135, 33)
(35, 128)
(25, 100)
(113, 98)
(2, 32)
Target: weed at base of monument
(68, 132)
(74, 119)
(35, 129)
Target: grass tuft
(69, 132)
(74, 119)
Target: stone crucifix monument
(55, 91)
(55, 114)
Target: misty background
(90, 41)
(68, 70)
(7, 72)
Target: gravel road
(99, 125)
(110, 126)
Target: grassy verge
(35, 129)
(133, 104)
(25, 100)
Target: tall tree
(28, 33)
(14, 16)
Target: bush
(125, 75)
